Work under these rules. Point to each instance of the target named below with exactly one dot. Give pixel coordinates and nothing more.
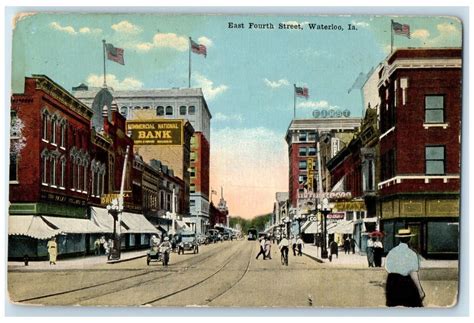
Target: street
(222, 274)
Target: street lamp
(287, 224)
(325, 209)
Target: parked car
(201, 239)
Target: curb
(314, 258)
(112, 262)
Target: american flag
(114, 54)
(301, 91)
(198, 48)
(400, 29)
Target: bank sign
(156, 132)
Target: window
(182, 110)
(302, 164)
(435, 160)
(162, 200)
(123, 111)
(302, 151)
(168, 202)
(192, 109)
(302, 136)
(192, 188)
(312, 151)
(169, 110)
(192, 203)
(302, 179)
(389, 160)
(63, 135)
(85, 178)
(193, 156)
(45, 170)
(53, 171)
(193, 172)
(434, 108)
(53, 130)
(312, 136)
(45, 126)
(160, 111)
(13, 167)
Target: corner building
(420, 126)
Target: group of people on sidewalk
(283, 243)
(374, 252)
(102, 246)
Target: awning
(137, 223)
(339, 186)
(312, 228)
(131, 222)
(182, 225)
(73, 225)
(342, 227)
(162, 228)
(305, 225)
(32, 226)
(270, 228)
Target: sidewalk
(360, 261)
(75, 263)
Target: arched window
(63, 172)
(182, 110)
(63, 134)
(160, 111)
(54, 123)
(124, 111)
(192, 109)
(169, 110)
(45, 117)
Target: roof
(145, 93)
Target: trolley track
(122, 279)
(208, 277)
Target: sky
(247, 77)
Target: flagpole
(294, 101)
(189, 74)
(391, 36)
(103, 48)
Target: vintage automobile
(158, 254)
(188, 243)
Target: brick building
(420, 125)
(187, 104)
(302, 138)
(60, 168)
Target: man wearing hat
(403, 286)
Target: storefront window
(443, 237)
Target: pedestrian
(347, 245)
(97, 246)
(353, 245)
(102, 244)
(262, 248)
(293, 245)
(268, 249)
(378, 251)
(106, 247)
(52, 250)
(333, 249)
(299, 246)
(370, 251)
(283, 245)
(403, 287)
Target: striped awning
(33, 226)
(73, 225)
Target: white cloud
(87, 30)
(227, 118)
(205, 41)
(72, 31)
(65, 29)
(276, 84)
(168, 40)
(210, 91)
(360, 24)
(422, 34)
(128, 83)
(249, 191)
(314, 104)
(126, 27)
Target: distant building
(302, 137)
